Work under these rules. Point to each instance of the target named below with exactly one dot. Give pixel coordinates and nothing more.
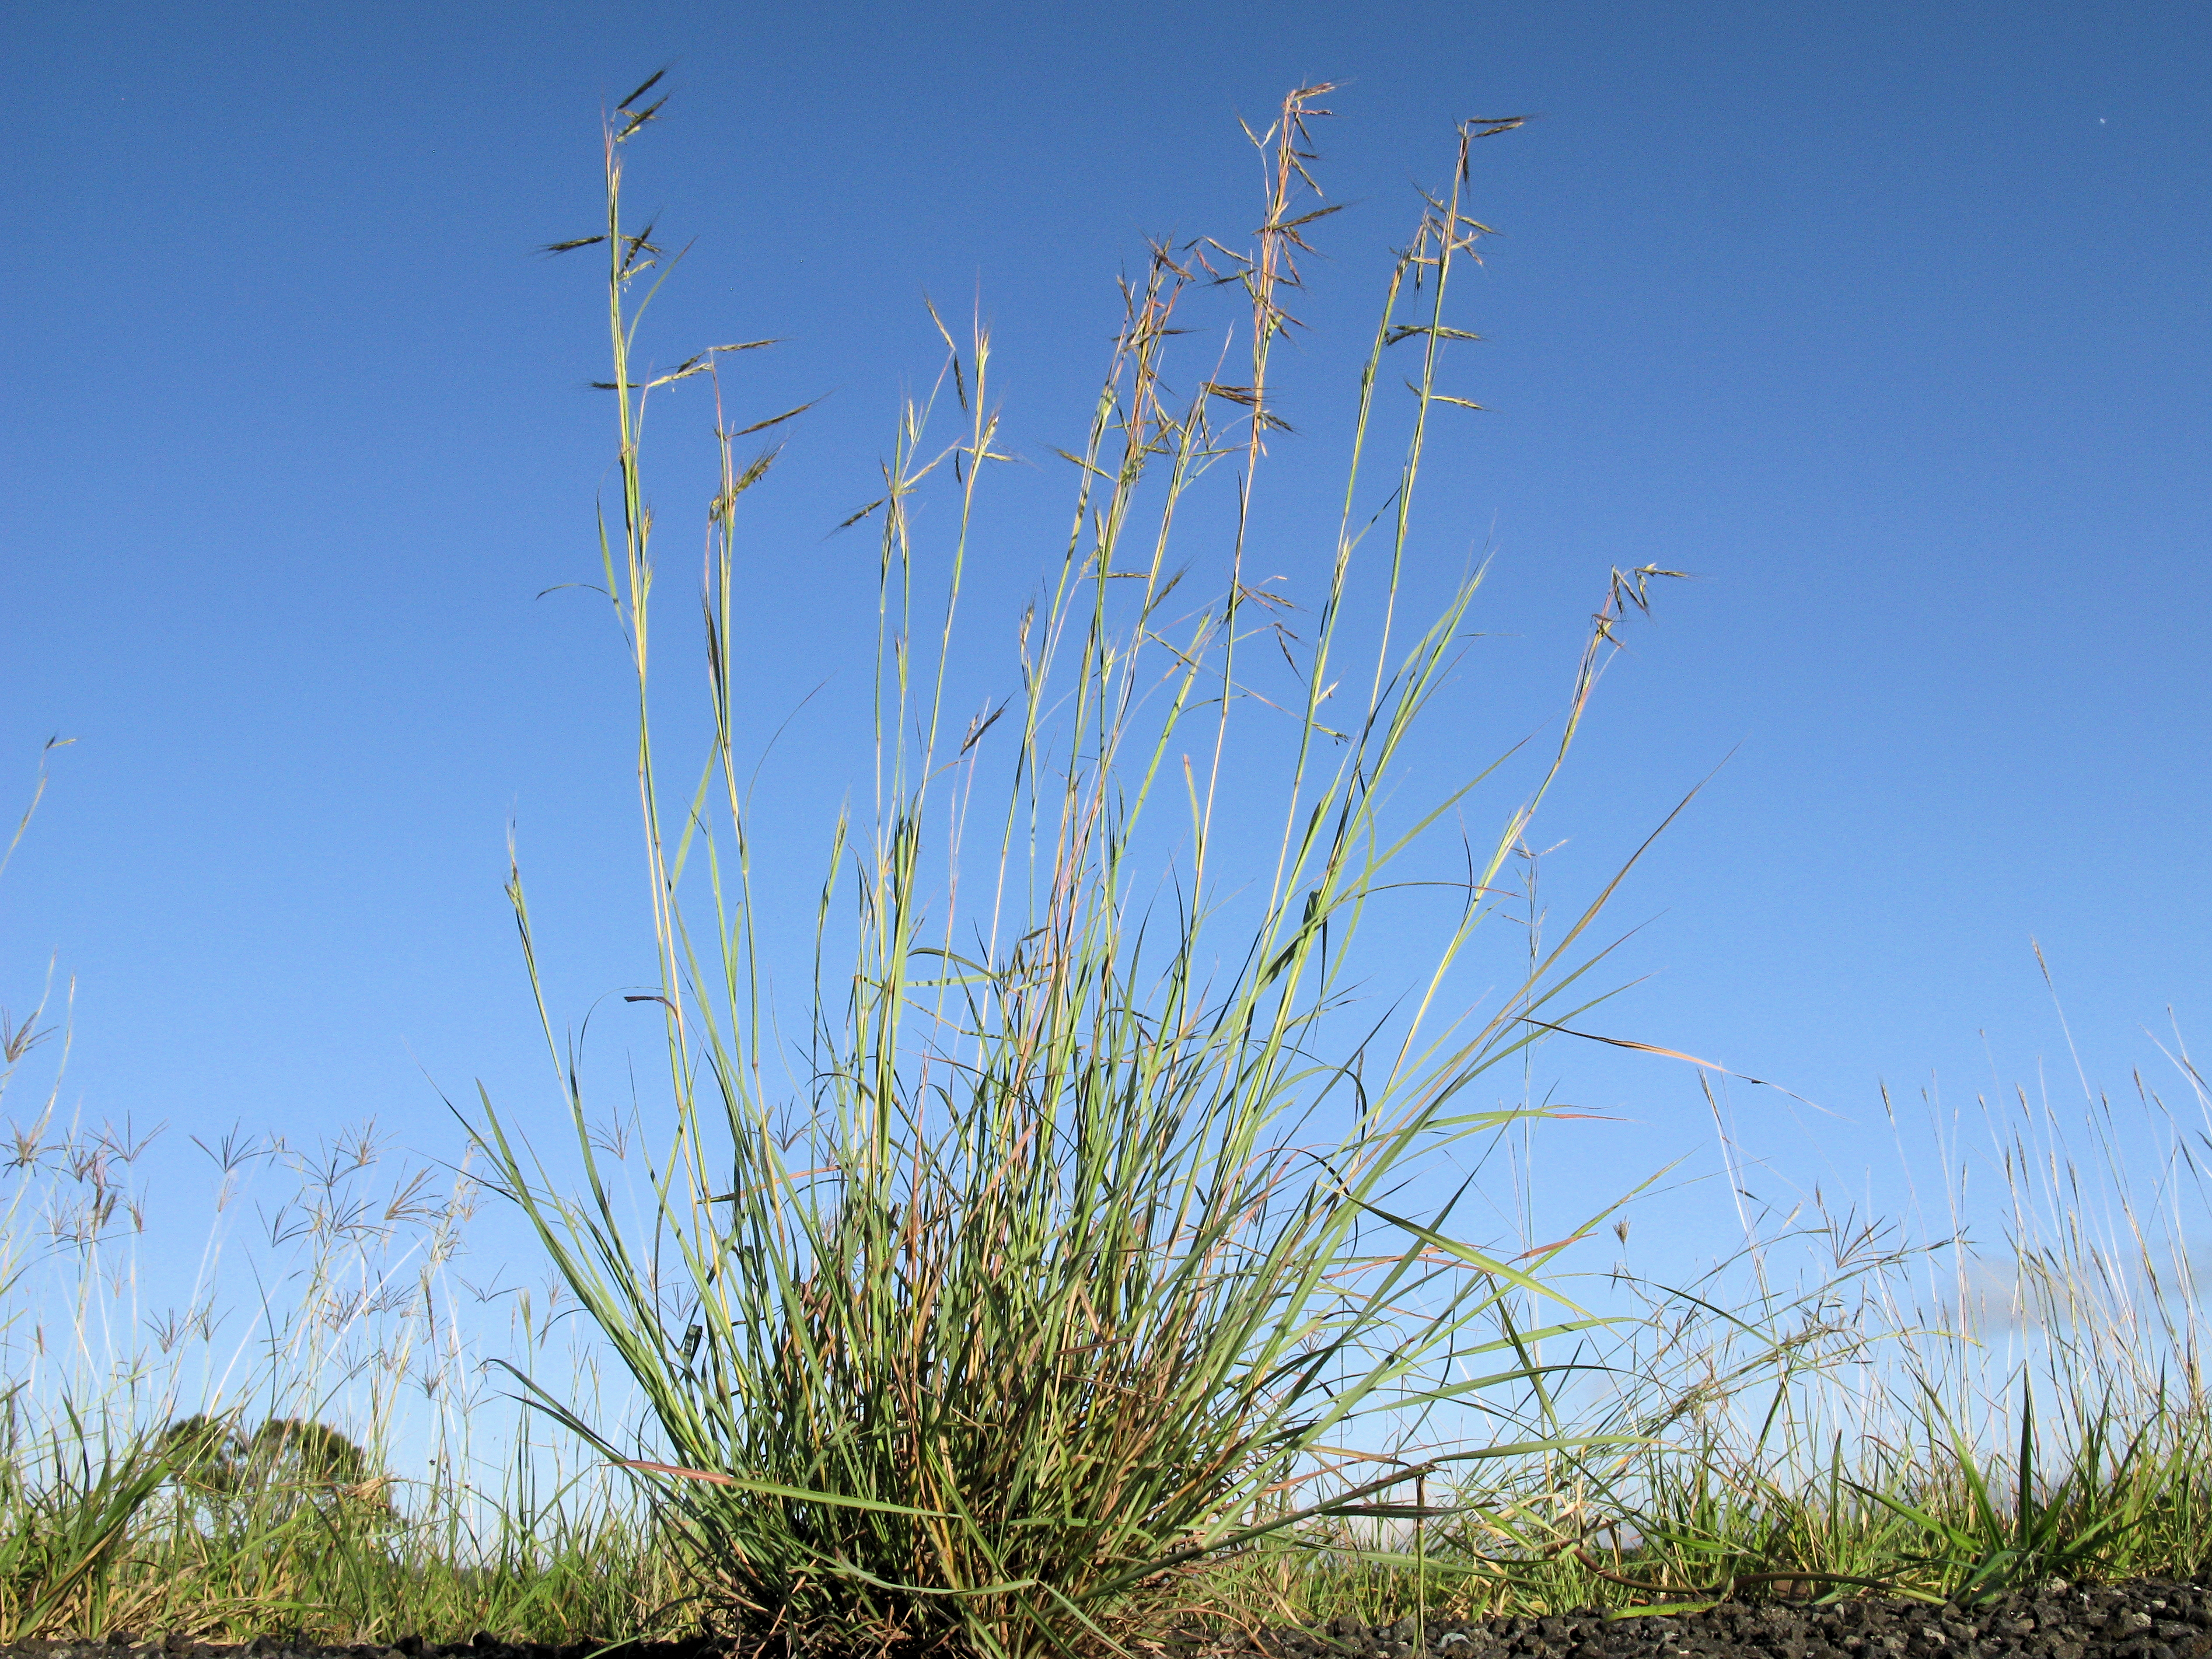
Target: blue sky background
(1887, 322)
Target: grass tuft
(1085, 1242)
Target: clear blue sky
(1889, 321)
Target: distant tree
(285, 1466)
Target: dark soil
(2150, 1618)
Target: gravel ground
(2146, 1619)
(2150, 1618)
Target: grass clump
(1077, 1243)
